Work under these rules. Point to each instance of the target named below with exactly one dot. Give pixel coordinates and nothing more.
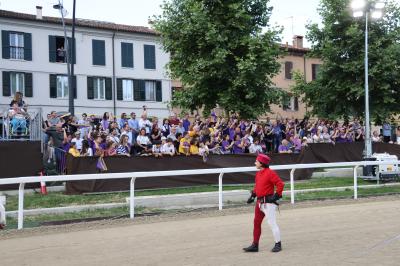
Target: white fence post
(355, 182)
(3, 210)
(292, 185)
(21, 206)
(132, 198)
(220, 191)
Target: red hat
(262, 158)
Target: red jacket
(265, 181)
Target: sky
(293, 15)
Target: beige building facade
(295, 60)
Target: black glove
(252, 197)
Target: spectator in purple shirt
(238, 145)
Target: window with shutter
(149, 56)
(127, 54)
(288, 70)
(98, 52)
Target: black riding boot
(277, 247)
(252, 248)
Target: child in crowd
(184, 145)
(168, 148)
(156, 149)
(73, 150)
(203, 151)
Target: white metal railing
(221, 171)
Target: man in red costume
(268, 190)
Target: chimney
(39, 12)
(298, 41)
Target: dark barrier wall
(315, 153)
(22, 158)
(138, 164)
(19, 158)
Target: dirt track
(366, 232)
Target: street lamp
(63, 12)
(375, 9)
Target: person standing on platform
(268, 190)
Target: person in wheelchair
(18, 117)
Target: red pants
(258, 218)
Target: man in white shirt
(78, 140)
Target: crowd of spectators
(143, 136)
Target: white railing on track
(221, 171)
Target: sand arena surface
(363, 232)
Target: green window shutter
(52, 49)
(108, 88)
(127, 54)
(288, 70)
(74, 87)
(149, 56)
(72, 50)
(6, 83)
(119, 90)
(90, 89)
(28, 46)
(5, 39)
(28, 85)
(98, 52)
(158, 91)
(296, 103)
(139, 93)
(53, 86)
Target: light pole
(71, 110)
(375, 9)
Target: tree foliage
(220, 54)
(338, 90)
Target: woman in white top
(143, 142)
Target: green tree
(338, 90)
(220, 54)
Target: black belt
(267, 199)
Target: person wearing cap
(268, 190)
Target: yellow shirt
(194, 149)
(74, 152)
